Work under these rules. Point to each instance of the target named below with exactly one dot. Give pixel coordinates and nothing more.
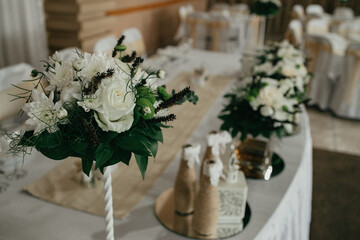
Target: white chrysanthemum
(43, 113)
(93, 64)
(71, 92)
(63, 75)
(57, 57)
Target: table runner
(59, 185)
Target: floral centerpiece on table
(266, 7)
(268, 102)
(260, 107)
(283, 62)
(98, 108)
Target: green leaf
(108, 136)
(86, 165)
(103, 153)
(153, 148)
(79, 146)
(152, 132)
(135, 142)
(120, 155)
(142, 162)
(49, 140)
(57, 153)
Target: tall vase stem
(109, 219)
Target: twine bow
(214, 170)
(218, 141)
(191, 154)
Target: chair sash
(215, 27)
(355, 75)
(313, 48)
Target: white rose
(286, 86)
(266, 111)
(280, 115)
(288, 70)
(271, 96)
(71, 92)
(117, 104)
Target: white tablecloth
(281, 207)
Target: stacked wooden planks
(77, 23)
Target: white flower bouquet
(283, 62)
(98, 108)
(269, 101)
(261, 107)
(266, 7)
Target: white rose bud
(78, 65)
(289, 128)
(62, 113)
(266, 111)
(161, 74)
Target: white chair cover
(296, 30)
(197, 30)
(105, 45)
(314, 9)
(220, 6)
(299, 9)
(134, 41)
(317, 26)
(9, 109)
(343, 13)
(346, 98)
(184, 11)
(241, 8)
(319, 49)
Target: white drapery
(22, 32)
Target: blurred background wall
(82, 22)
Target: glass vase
(254, 156)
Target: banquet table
(280, 207)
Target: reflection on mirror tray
(165, 213)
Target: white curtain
(22, 32)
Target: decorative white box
(233, 198)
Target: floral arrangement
(266, 7)
(268, 102)
(98, 108)
(283, 62)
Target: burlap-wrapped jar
(184, 195)
(207, 207)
